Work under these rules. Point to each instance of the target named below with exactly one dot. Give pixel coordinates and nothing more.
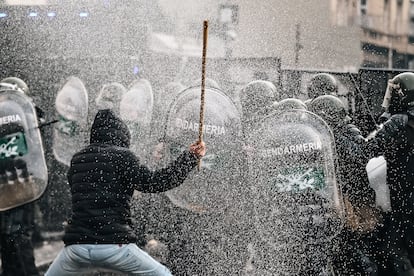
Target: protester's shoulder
(104, 151)
(122, 153)
(82, 153)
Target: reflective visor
(391, 88)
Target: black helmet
(399, 96)
(331, 109)
(15, 84)
(288, 104)
(257, 95)
(322, 84)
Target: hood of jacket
(108, 129)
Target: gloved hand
(393, 132)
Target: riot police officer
(256, 99)
(395, 141)
(17, 224)
(359, 197)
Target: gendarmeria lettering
(209, 129)
(10, 119)
(292, 149)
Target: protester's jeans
(125, 258)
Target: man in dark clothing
(395, 141)
(354, 256)
(16, 244)
(103, 177)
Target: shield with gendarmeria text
(210, 188)
(296, 200)
(23, 171)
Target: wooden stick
(203, 84)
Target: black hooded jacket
(103, 177)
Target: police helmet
(14, 84)
(331, 109)
(257, 95)
(288, 104)
(399, 96)
(322, 84)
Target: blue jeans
(125, 258)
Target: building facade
(386, 30)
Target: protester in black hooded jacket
(103, 177)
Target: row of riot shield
(71, 133)
(266, 205)
(263, 203)
(23, 170)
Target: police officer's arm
(353, 143)
(147, 181)
(392, 134)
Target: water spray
(364, 102)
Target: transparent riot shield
(136, 110)
(164, 97)
(70, 133)
(211, 199)
(222, 129)
(23, 171)
(296, 201)
(110, 96)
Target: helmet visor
(392, 88)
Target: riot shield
(296, 201)
(110, 96)
(222, 129)
(211, 199)
(70, 133)
(23, 171)
(163, 100)
(136, 110)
